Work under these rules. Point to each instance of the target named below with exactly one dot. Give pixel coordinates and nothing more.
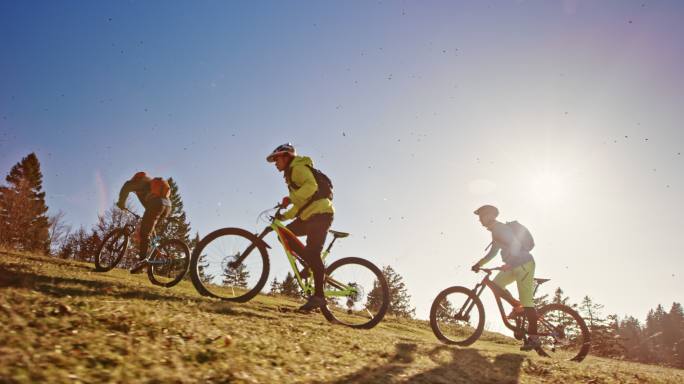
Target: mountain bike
(457, 317)
(167, 260)
(232, 264)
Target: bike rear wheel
(356, 292)
(111, 250)
(457, 316)
(169, 263)
(211, 270)
(563, 333)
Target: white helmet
(281, 150)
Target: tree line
(26, 226)
(660, 340)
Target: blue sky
(567, 115)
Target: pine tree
(236, 277)
(631, 338)
(591, 312)
(400, 300)
(24, 222)
(673, 332)
(540, 301)
(558, 297)
(275, 287)
(446, 311)
(176, 225)
(193, 243)
(603, 331)
(290, 287)
(655, 341)
(202, 270)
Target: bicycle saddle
(541, 281)
(341, 235)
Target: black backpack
(324, 191)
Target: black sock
(531, 314)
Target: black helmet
(280, 150)
(485, 209)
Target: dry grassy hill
(62, 322)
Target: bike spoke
(219, 272)
(353, 293)
(455, 317)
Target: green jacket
(302, 185)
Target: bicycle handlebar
(489, 271)
(132, 213)
(278, 207)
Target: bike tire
(102, 265)
(259, 246)
(585, 335)
(384, 290)
(175, 275)
(437, 305)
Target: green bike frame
(285, 236)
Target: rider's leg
(154, 210)
(317, 231)
(525, 282)
(316, 228)
(502, 279)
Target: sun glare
(547, 187)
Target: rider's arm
(489, 256)
(128, 187)
(302, 176)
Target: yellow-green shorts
(524, 276)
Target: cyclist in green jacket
(518, 266)
(313, 214)
(153, 194)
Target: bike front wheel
(356, 293)
(111, 250)
(457, 316)
(169, 263)
(563, 333)
(213, 272)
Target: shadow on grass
(62, 286)
(19, 276)
(454, 365)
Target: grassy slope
(62, 322)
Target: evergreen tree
(290, 287)
(631, 338)
(542, 300)
(558, 297)
(603, 330)
(591, 312)
(176, 225)
(202, 270)
(446, 311)
(275, 287)
(193, 242)
(236, 277)
(400, 300)
(24, 222)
